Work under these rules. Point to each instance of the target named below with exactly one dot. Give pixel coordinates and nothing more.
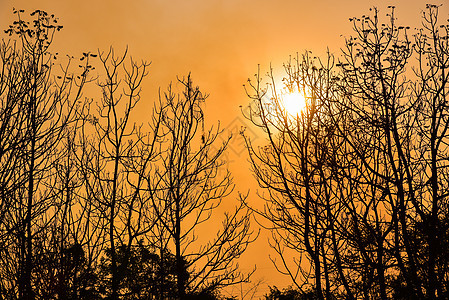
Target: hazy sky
(220, 42)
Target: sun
(293, 102)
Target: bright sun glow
(293, 102)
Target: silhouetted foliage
(357, 182)
(143, 275)
(289, 294)
(67, 278)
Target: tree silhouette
(357, 181)
(36, 111)
(114, 162)
(141, 270)
(190, 188)
(94, 206)
(289, 294)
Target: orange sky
(220, 42)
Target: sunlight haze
(221, 44)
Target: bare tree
(89, 198)
(292, 166)
(36, 110)
(407, 115)
(191, 187)
(115, 161)
(357, 182)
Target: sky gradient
(221, 43)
